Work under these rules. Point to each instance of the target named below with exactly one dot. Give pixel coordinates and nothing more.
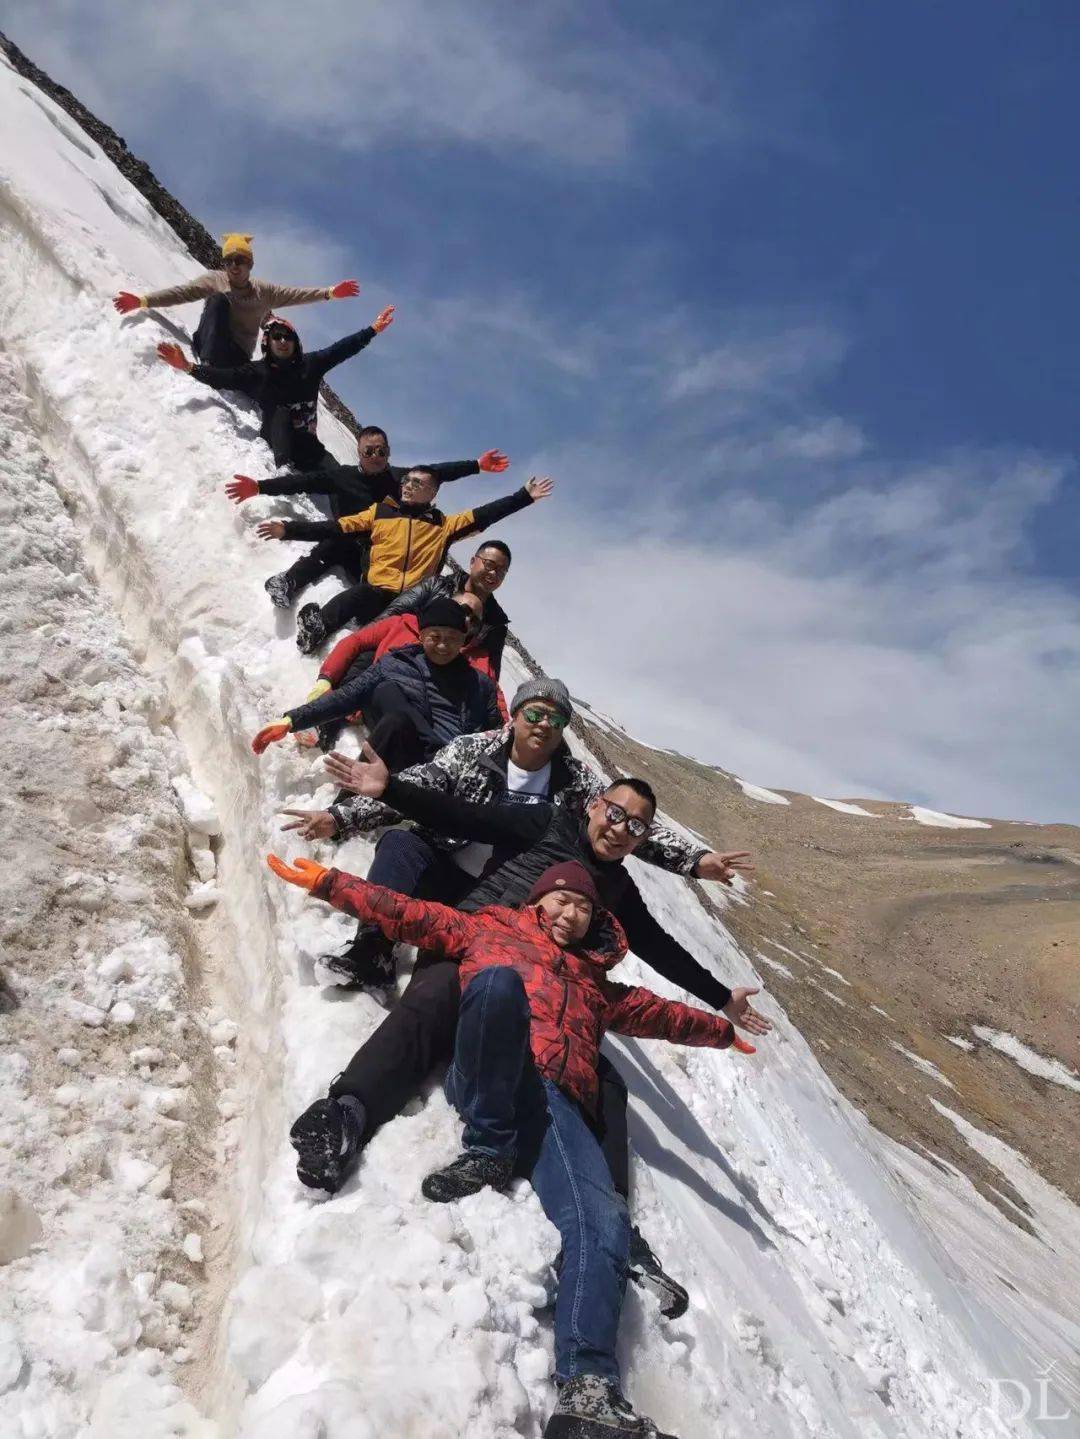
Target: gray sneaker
(591, 1407)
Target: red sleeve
(644, 1015)
(427, 925)
(345, 651)
(482, 664)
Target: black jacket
(470, 705)
(529, 838)
(490, 637)
(291, 384)
(350, 490)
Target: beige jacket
(249, 305)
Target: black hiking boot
(470, 1172)
(368, 960)
(590, 1407)
(282, 590)
(329, 734)
(645, 1269)
(310, 629)
(327, 1138)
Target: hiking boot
(328, 736)
(645, 1269)
(591, 1407)
(310, 629)
(327, 1138)
(470, 1172)
(282, 590)
(368, 960)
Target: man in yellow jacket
(236, 305)
(409, 540)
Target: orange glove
(743, 1045)
(173, 355)
(493, 460)
(125, 302)
(303, 872)
(382, 319)
(344, 290)
(241, 488)
(270, 734)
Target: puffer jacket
(572, 1000)
(410, 669)
(490, 637)
(386, 635)
(474, 767)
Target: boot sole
(674, 1300)
(570, 1426)
(317, 1166)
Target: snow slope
(823, 1304)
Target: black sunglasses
(615, 814)
(379, 450)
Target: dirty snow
(927, 1066)
(1028, 1059)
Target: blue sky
(782, 296)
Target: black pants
(213, 341)
(342, 553)
(298, 448)
(419, 1032)
(360, 603)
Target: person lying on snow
(284, 384)
(409, 540)
(536, 1001)
(236, 306)
(348, 488)
(413, 701)
(524, 762)
(597, 829)
(352, 656)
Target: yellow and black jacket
(408, 542)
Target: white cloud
(760, 363)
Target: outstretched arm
(660, 951)
(471, 522)
(644, 1015)
(196, 289)
(428, 926)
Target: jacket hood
(276, 322)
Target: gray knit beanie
(542, 688)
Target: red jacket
(570, 996)
(391, 634)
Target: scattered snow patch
(843, 807)
(937, 820)
(1029, 1059)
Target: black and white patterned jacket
(473, 767)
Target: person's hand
(241, 488)
(383, 319)
(303, 872)
(125, 302)
(173, 355)
(312, 823)
(540, 488)
(368, 776)
(344, 290)
(722, 867)
(270, 734)
(271, 530)
(741, 1012)
(493, 461)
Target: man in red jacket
(536, 1001)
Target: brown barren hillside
(881, 935)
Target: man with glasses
(236, 306)
(348, 489)
(409, 540)
(284, 384)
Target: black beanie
(447, 614)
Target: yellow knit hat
(235, 244)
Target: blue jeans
(510, 1110)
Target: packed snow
(1027, 1058)
(935, 819)
(823, 1305)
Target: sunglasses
(237, 260)
(615, 814)
(379, 450)
(553, 717)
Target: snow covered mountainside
(177, 1281)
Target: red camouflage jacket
(571, 998)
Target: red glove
(270, 734)
(125, 302)
(382, 319)
(743, 1045)
(303, 872)
(493, 460)
(344, 290)
(241, 488)
(173, 355)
